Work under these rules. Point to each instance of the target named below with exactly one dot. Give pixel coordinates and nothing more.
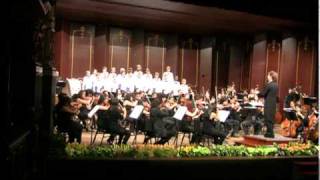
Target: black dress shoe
(267, 135)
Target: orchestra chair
(206, 139)
(182, 139)
(99, 131)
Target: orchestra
(161, 96)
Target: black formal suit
(109, 121)
(156, 116)
(269, 93)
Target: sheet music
(93, 111)
(256, 104)
(223, 115)
(180, 113)
(137, 110)
(287, 109)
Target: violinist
(86, 99)
(233, 121)
(113, 116)
(186, 125)
(66, 118)
(269, 93)
(156, 115)
(212, 126)
(129, 102)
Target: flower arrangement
(75, 150)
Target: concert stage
(257, 140)
(275, 168)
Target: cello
(289, 126)
(311, 131)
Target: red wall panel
(245, 66)
(190, 63)
(258, 64)
(81, 49)
(155, 52)
(235, 64)
(172, 52)
(305, 74)
(287, 67)
(119, 48)
(138, 50)
(61, 49)
(205, 69)
(273, 56)
(101, 49)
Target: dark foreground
(270, 168)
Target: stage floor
(86, 138)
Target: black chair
(99, 131)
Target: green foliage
(75, 150)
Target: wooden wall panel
(258, 65)
(81, 49)
(119, 48)
(138, 49)
(235, 64)
(61, 49)
(220, 65)
(305, 74)
(287, 67)
(205, 68)
(316, 75)
(155, 53)
(190, 62)
(273, 57)
(246, 64)
(101, 50)
(172, 52)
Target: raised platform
(258, 140)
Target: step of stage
(258, 140)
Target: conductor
(269, 93)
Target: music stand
(310, 100)
(136, 112)
(291, 114)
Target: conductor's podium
(258, 140)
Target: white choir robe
(184, 89)
(138, 74)
(121, 81)
(167, 77)
(111, 83)
(157, 85)
(147, 84)
(105, 75)
(167, 87)
(99, 85)
(87, 83)
(176, 88)
(139, 83)
(129, 81)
